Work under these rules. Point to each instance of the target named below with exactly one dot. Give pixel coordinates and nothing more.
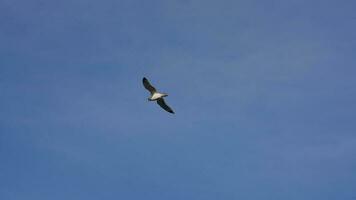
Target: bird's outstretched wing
(164, 105)
(148, 85)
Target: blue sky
(264, 94)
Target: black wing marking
(148, 85)
(164, 105)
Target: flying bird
(156, 96)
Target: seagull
(156, 96)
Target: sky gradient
(264, 94)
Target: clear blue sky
(264, 94)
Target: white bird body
(157, 96)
